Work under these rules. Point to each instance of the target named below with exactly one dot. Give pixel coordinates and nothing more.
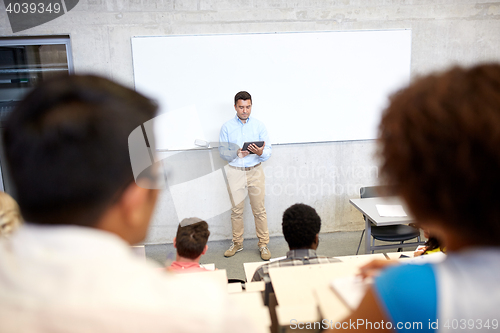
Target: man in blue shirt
(245, 173)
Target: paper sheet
(351, 289)
(391, 211)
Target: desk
(310, 289)
(234, 288)
(219, 277)
(255, 286)
(250, 268)
(362, 259)
(210, 267)
(251, 303)
(288, 317)
(397, 255)
(309, 282)
(302, 291)
(367, 207)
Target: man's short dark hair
(300, 225)
(67, 147)
(242, 95)
(439, 142)
(191, 239)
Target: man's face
(243, 109)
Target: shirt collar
(301, 253)
(185, 265)
(239, 120)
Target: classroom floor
(330, 244)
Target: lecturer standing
(245, 173)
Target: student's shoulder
(406, 282)
(406, 272)
(263, 270)
(398, 287)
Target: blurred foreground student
(191, 244)
(69, 268)
(439, 141)
(10, 217)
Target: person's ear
(316, 242)
(129, 216)
(204, 250)
(133, 203)
(175, 242)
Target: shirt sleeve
(264, 136)
(228, 151)
(257, 276)
(408, 296)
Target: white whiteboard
(305, 87)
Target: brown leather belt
(244, 169)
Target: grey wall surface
(325, 175)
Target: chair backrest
(376, 191)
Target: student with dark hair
(70, 267)
(439, 142)
(191, 244)
(432, 245)
(301, 226)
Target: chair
(390, 233)
(240, 281)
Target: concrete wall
(324, 175)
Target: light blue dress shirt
(232, 136)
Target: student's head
(67, 148)
(439, 143)
(10, 217)
(191, 239)
(301, 225)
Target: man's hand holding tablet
(256, 147)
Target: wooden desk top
(361, 259)
(310, 285)
(367, 207)
(251, 267)
(219, 276)
(307, 283)
(252, 304)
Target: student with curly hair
(439, 144)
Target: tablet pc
(257, 143)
